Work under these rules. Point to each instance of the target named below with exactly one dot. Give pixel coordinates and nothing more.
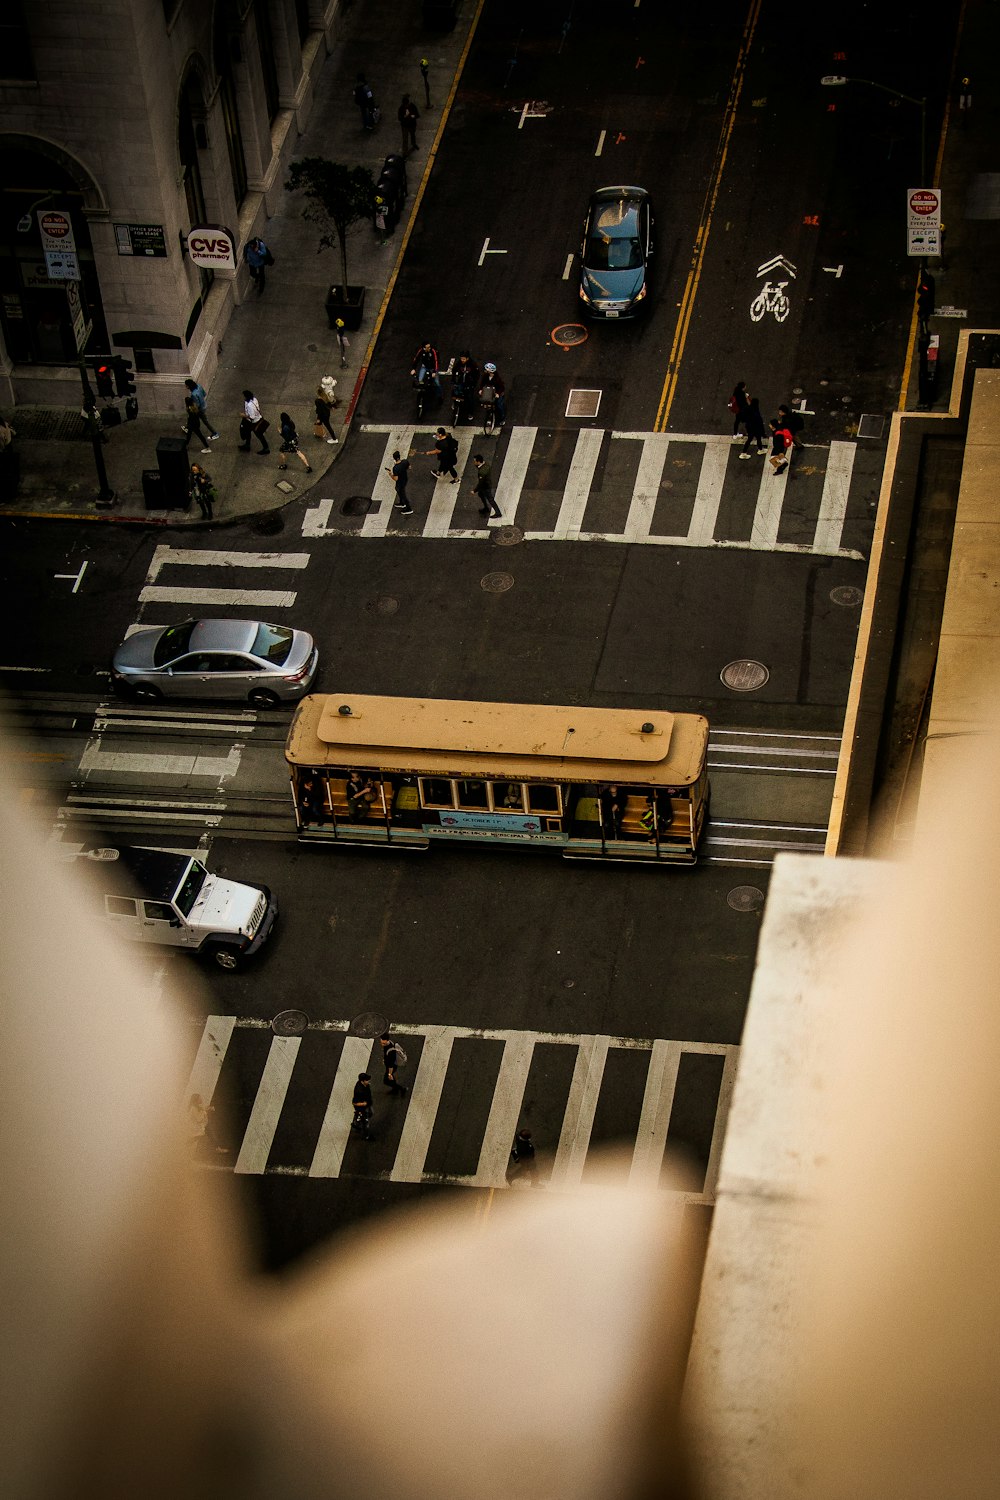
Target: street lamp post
(834, 80)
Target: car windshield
(173, 643)
(605, 253)
(272, 643)
(189, 891)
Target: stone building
(125, 124)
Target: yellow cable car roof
(439, 736)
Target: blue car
(614, 256)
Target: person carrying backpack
(393, 1058)
(446, 449)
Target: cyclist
(491, 382)
(464, 385)
(426, 366)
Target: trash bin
(172, 457)
(152, 489)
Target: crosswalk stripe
(134, 763)
(701, 529)
(210, 1056)
(767, 516)
(335, 1132)
(581, 1106)
(268, 1104)
(833, 505)
(514, 471)
(376, 522)
(576, 492)
(425, 1096)
(726, 1087)
(505, 1111)
(243, 598)
(654, 1121)
(446, 494)
(646, 490)
(193, 557)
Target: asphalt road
(647, 559)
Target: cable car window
(435, 791)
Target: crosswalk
(648, 488)
(440, 1065)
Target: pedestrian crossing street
(312, 1077)
(652, 488)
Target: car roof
(631, 195)
(223, 635)
(614, 210)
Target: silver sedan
(245, 659)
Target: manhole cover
(583, 403)
(270, 524)
(507, 536)
(385, 604)
(745, 898)
(370, 1023)
(850, 598)
(568, 334)
(744, 676)
(356, 505)
(290, 1023)
(497, 583)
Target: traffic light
(104, 379)
(124, 382)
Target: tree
(338, 197)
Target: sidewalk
(277, 345)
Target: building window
(15, 47)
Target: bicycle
(421, 384)
(488, 406)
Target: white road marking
(446, 494)
(135, 763)
(567, 269)
(425, 1096)
(268, 1104)
(770, 498)
(833, 506)
(515, 468)
(714, 464)
(505, 1110)
(486, 246)
(77, 577)
(654, 1122)
(335, 1132)
(581, 1106)
(646, 489)
(192, 557)
(210, 1056)
(314, 522)
(376, 522)
(244, 598)
(721, 1118)
(600, 142)
(578, 483)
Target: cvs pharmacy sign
(212, 245)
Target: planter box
(347, 303)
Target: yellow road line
(704, 225)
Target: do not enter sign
(923, 221)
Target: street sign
(81, 328)
(923, 221)
(58, 245)
(141, 239)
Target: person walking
(446, 449)
(197, 394)
(399, 474)
(393, 1058)
(362, 1103)
(792, 420)
(253, 422)
(781, 443)
(408, 115)
(290, 442)
(325, 403)
(754, 424)
(201, 488)
(365, 100)
(194, 425)
(258, 257)
(484, 487)
(739, 405)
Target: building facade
(124, 125)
